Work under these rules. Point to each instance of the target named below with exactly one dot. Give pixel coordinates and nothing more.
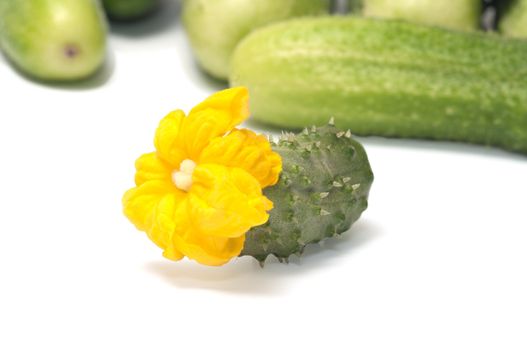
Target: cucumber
(387, 78)
(129, 10)
(214, 28)
(58, 40)
(513, 21)
(323, 190)
(455, 14)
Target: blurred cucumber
(455, 14)
(53, 39)
(215, 27)
(513, 21)
(129, 10)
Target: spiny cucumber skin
(57, 40)
(513, 21)
(458, 14)
(129, 10)
(322, 190)
(214, 28)
(387, 78)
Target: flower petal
(169, 140)
(244, 149)
(214, 117)
(139, 202)
(210, 250)
(165, 223)
(226, 202)
(150, 167)
(213, 251)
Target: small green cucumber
(215, 27)
(322, 190)
(387, 78)
(513, 20)
(457, 14)
(129, 10)
(53, 39)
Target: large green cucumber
(215, 27)
(456, 14)
(53, 39)
(387, 78)
(513, 21)
(323, 189)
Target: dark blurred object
(490, 15)
(346, 6)
(129, 10)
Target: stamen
(182, 178)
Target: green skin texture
(322, 190)
(454, 14)
(513, 21)
(128, 10)
(215, 27)
(58, 40)
(387, 78)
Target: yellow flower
(201, 191)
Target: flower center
(182, 177)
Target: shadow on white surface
(245, 276)
(98, 79)
(443, 146)
(167, 16)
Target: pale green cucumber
(53, 39)
(387, 78)
(456, 14)
(215, 27)
(323, 189)
(513, 20)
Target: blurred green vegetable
(455, 14)
(355, 6)
(513, 21)
(53, 39)
(387, 78)
(215, 27)
(128, 10)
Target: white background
(438, 261)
